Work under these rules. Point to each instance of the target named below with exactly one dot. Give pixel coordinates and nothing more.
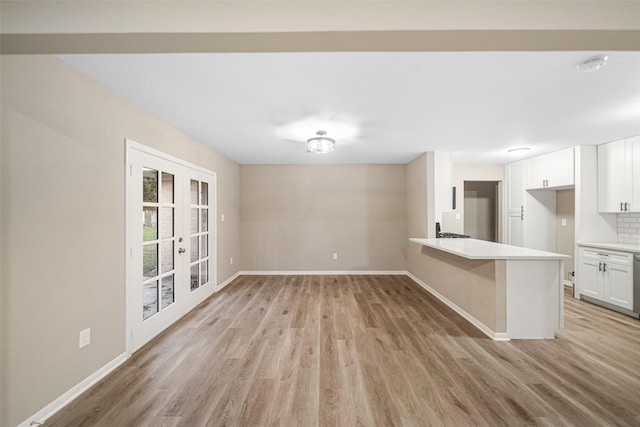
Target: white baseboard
(496, 336)
(568, 283)
(229, 280)
(43, 414)
(324, 273)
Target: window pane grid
(199, 233)
(158, 241)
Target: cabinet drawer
(619, 258)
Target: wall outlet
(222, 219)
(85, 338)
(335, 255)
(231, 260)
(564, 222)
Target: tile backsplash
(629, 228)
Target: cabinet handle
(621, 207)
(604, 266)
(626, 207)
(599, 266)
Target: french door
(170, 241)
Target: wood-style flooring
(365, 351)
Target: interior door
(170, 239)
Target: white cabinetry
(515, 180)
(551, 170)
(619, 176)
(606, 276)
(530, 220)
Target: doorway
(170, 241)
(481, 210)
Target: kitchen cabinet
(515, 191)
(551, 170)
(619, 176)
(530, 219)
(606, 276)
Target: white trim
(229, 280)
(130, 144)
(43, 414)
(325, 273)
(203, 292)
(496, 336)
(568, 283)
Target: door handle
(182, 250)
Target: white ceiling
(380, 107)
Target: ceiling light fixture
(321, 144)
(519, 150)
(593, 64)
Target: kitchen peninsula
(508, 292)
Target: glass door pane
(158, 241)
(199, 233)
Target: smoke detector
(593, 64)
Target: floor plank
(365, 351)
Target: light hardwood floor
(365, 350)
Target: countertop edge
(539, 256)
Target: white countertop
(624, 247)
(481, 249)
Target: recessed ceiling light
(519, 150)
(593, 64)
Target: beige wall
(232, 26)
(62, 224)
(417, 199)
(294, 217)
(480, 210)
(476, 286)
(565, 234)
(454, 221)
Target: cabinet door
(515, 229)
(618, 288)
(560, 168)
(515, 176)
(590, 279)
(612, 188)
(633, 153)
(536, 172)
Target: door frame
(130, 146)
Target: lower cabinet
(606, 276)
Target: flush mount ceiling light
(593, 64)
(321, 144)
(519, 150)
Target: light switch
(564, 222)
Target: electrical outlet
(222, 219)
(231, 260)
(564, 222)
(335, 255)
(85, 338)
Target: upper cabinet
(551, 170)
(619, 176)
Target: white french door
(170, 241)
